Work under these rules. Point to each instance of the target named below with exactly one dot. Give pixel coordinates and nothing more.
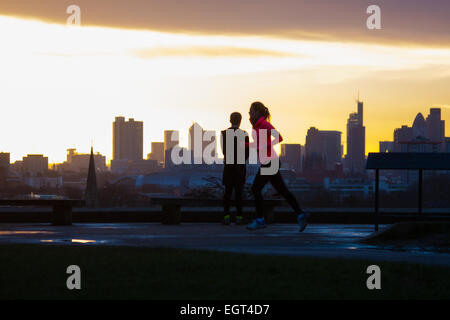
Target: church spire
(91, 185)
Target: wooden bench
(171, 206)
(62, 209)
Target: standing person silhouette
(262, 133)
(234, 173)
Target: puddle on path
(70, 241)
(23, 232)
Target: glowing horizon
(63, 86)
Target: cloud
(403, 21)
(205, 51)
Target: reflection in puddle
(82, 241)
(72, 241)
(161, 236)
(342, 233)
(354, 246)
(7, 233)
(413, 249)
(410, 249)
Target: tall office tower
(402, 134)
(323, 149)
(291, 156)
(157, 152)
(356, 141)
(332, 148)
(419, 127)
(435, 128)
(128, 139)
(169, 142)
(199, 140)
(4, 163)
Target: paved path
(317, 240)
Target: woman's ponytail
(261, 109)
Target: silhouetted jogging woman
(263, 131)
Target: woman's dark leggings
(278, 183)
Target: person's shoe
(258, 223)
(240, 220)
(302, 221)
(226, 220)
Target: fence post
(420, 193)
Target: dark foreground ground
(117, 272)
(212, 261)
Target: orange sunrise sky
(169, 63)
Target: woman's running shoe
(302, 220)
(258, 223)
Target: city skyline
(60, 86)
(383, 145)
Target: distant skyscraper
(128, 139)
(35, 164)
(291, 156)
(402, 134)
(424, 136)
(419, 127)
(323, 149)
(435, 128)
(415, 138)
(196, 144)
(157, 152)
(169, 144)
(356, 141)
(4, 163)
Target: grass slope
(39, 272)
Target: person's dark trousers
(234, 173)
(278, 183)
(238, 189)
